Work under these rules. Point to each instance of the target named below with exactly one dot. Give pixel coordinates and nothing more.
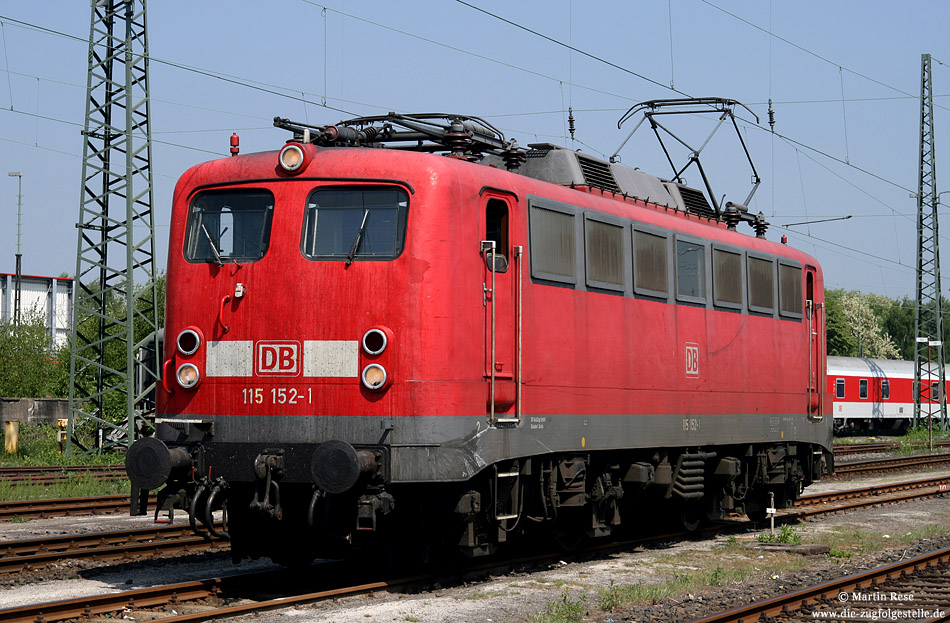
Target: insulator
(457, 139)
(771, 115)
(570, 121)
(731, 216)
(514, 158)
(760, 225)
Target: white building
(50, 297)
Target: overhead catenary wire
(571, 47)
(844, 120)
(872, 196)
(79, 125)
(679, 91)
(256, 85)
(454, 48)
(268, 120)
(291, 91)
(801, 181)
(275, 90)
(551, 112)
(809, 52)
(6, 60)
(771, 117)
(669, 13)
(841, 68)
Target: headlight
(291, 158)
(188, 342)
(187, 375)
(374, 342)
(374, 377)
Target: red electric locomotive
(406, 330)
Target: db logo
(692, 359)
(278, 358)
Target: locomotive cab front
(279, 371)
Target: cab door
(501, 262)
(816, 362)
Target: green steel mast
(113, 317)
(928, 318)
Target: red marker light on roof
(235, 144)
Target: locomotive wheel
(294, 558)
(691, 517)
(757, 515)
(569, 541)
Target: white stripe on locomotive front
(321, 358)
(231, 358)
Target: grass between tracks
(74, 487)
(38, 447)
(913, 441)
(732, 562)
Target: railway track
(871, 495)
(213, 598)
(221, 597)
(38, 509)
(891, 464)
(45, 475)
(29, 554)
(35, 509)
(917, 589)
(844, 449)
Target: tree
(114, 404)
(899, 324)
(855, 325)
(32, 366)
(840, 341)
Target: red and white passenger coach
(406, 329)
(878, 394)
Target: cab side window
(496, 230)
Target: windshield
(229, 226)
(355, 224)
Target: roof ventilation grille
(597, 174)
(695, 202)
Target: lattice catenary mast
(113, 317)
(928, 317)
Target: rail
(922, 585)
(38, 509)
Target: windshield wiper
(356, 241)
(214, 249)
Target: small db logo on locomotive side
(692, 360)
(281, 358)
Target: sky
(844, 78)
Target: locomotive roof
(475, 140)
